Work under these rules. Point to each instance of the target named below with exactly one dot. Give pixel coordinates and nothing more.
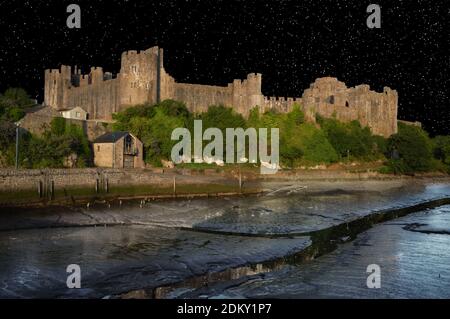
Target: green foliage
(394, 166)
(350, 139)
(58, 126)
(315, 145)
(153, 125)
(7, 134)
(414, 148)
(298, 140)
(53, 147)
(13, 104)
(221, 117)
(441, 148)
(296, 115)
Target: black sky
(212, 42)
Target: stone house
(118, 150)
(77, 113)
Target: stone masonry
(142, 79)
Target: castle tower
(140, 76)
(57, 82)
(254, 94)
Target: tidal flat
(246, 246)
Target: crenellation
(143, 79)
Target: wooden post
(52, 190)
(40, 189)
(240, 180)
(174, 186)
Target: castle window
(98, 148)
(346, 104)
(330, 99)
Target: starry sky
(291, 42)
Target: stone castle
(142, 79)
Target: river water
(238, 246)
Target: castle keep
(142, 79)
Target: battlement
(279, 104)
(254, 76)
(149, 51)
(142, 79)
(282, 99)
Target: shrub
(414, 148)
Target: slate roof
(110, 137)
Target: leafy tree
(222, 118)
(441, 148)
(414, 148)
(7, 134)
(153, 125)
(13, 103)
(58, 126)
(52, 148)
(315, 145)
(352, 139)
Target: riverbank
(166, 248)
(75, 187)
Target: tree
(414, 148)
(315, 145)
(7, 134)
(222, 118)
(13, 104)
(352, 139)
(58, 126)
(441, 149)
(153, 125)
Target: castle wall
(329, 97)
(199, 97)
(99, 99)
(142, 79)
(279, 104)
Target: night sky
(213, 42)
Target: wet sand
(164, 243)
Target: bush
(153, 125)
(54, 146)
(13, 103)
(414, 149)
(441, 148)
(350, 139)
(315, 146)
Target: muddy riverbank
(172, 248)
(77, 187)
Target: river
(273, 245)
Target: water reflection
(142, 254)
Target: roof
(77, 108)
(110, 137)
